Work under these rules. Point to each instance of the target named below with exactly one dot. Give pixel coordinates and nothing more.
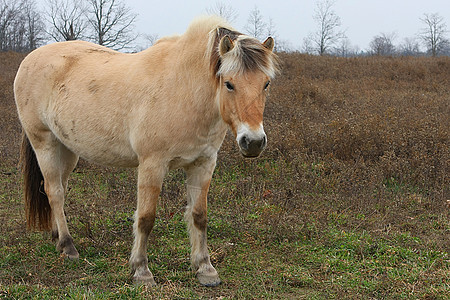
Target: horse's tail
(37, 206)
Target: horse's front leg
(199, 176)
(150, 178)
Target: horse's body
(123, 105)
(163, 108)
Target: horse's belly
(111, 149)
(111, 156)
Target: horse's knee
(55, 193)
(200, 219)
(145, 223)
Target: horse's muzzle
(252, 147)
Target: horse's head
(245, 67)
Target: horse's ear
(269, 43)
(225, 45)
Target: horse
(164, 108)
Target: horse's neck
(190, 66)
(195, 69)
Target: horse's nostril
(244, 142)
(257, 145)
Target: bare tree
(9, 11)
(67, 18)
(410, 46)
(256, 26)
(225, 11)
(144, 41)
(433, 34)
(270, 28)
(328, 33)
(344, 48)
(112, 23)
(308, 46)
(21, 28)
(151, 39)
(34, 25)
(383, 44)
(282, 45)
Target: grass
(254, 257)
(349, 201)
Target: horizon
(293, 20)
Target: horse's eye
(229, 86)
(266, 85)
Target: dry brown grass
(367, 135)
(9, 125)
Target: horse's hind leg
(68, 163)
(56, 162)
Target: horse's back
(56, 55)
(64, 88)
(48, 66)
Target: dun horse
(163, 108)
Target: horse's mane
(248, 54)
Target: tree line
(106, 22)
(21, 26)
(330, 39)
(111, 23)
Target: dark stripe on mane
(251, 54)
(215, 57)
(254, 54)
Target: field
(350, 200)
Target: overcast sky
(361, 19)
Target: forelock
(248, 55)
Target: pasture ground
(349, 201)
